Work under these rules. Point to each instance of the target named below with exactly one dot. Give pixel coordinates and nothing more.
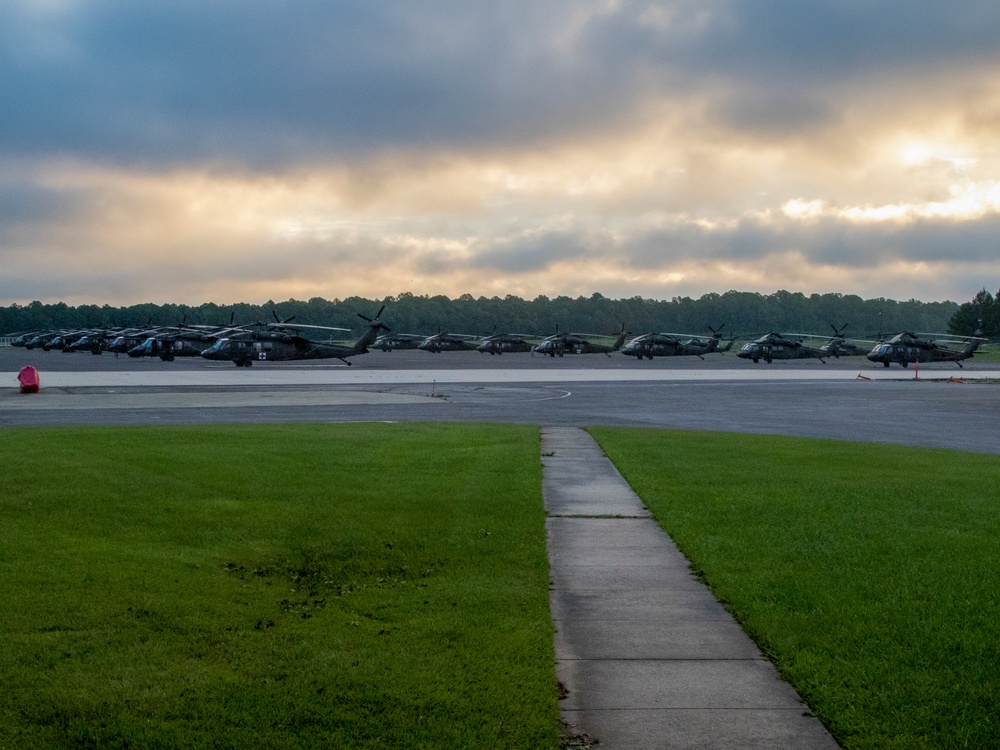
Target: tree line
(743, 314)
(981, 314)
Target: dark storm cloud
(777, 65)
(537, 252)
(830, 40)
(259, 83)
(268, 83)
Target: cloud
(276, 83)
(656, 148)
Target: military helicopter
(21, 339)
(449, 342)
(95, 342)
(839, 346)
(773, 346)
(904, 348)
(27, 340)
(49, 340)
(133, 337)
(391, 341)
(651, 345)
(183, 343)
(62, 341)
(578, 343)
(183, 340)
(281, 342)
(499, 343)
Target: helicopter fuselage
(657, 345)
(905, 351)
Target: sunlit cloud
(632, 148)
(965, 203)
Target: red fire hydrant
(29, 379)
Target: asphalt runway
(946, 407)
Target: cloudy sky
(224, 150)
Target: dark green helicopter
(278, 342)
(904, 348)
(772, 346)
(450, 342)
(504, 343)
(133, 337)
(391, 341)
(49, 340)
(578, 343)
(651, 345)
(21, 339)
(184, 340)
(839, 346)
(96, 342)
(182, 343)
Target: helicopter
(773, 346)
(498, 343)
(578, 343)
(133, 337)
(651, 345)
(449, 342)
(182, 340)
(48, 340)
(183, 343)
(21, 339)
(391, 341)
(277, 344)
(904, 348)
(95, 342)
(839, 346)
(61, 342)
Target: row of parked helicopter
(279, 340)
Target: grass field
(276, 587)
(870, 574)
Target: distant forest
(743, 314)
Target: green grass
(870, 574)
(362, 586)
(989, 353)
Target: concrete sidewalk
(648, 657)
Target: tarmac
(647, 658)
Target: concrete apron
(647, 656)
